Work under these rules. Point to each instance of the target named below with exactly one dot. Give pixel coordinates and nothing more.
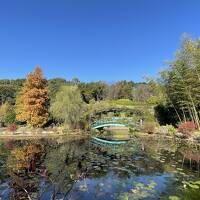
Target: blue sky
(93, 39)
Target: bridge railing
(123, 121)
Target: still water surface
(78, 169)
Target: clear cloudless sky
(93, 39)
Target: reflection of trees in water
(25, 158)
(190, 157)
(24, 165)
(173, 151)
(4, 154)
(155, 146)
(65, 165)
(131, 159)
(62, 164)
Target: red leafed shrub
(187, 127)
(149, 127)
(8, 145)
(12, 127)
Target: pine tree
(32, 103)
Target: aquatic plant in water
(192, 184)
(140, 191)
(189, 190)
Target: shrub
(187, 127)
(171, 129)
(12, 127)
(149, 127)
(167, 130)
(162, 130)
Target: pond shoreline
(174, 137)
(34, 133)
(40, 133)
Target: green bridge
(111, 122)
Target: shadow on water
(145, 168)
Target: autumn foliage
(21, 157)
(12, 127)
(187, 127)
(32, 103)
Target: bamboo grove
(182, 82)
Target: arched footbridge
(111, 122)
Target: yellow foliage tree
(3, 111)
(32, 103)
(21, 156)
(19, 108)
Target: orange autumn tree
(32, 103)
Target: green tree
(7, 114)
(68, 106)
(182, 81)
(54, 86)
(93, 91)
(121, 90)
(8, 90)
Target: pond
(78, 169)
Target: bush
(166, 130)
(187, 127)
(149, 127)
(162, 130)
(12, 127)
(171, 129)
(7, 113)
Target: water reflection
(78, 169)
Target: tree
(121, 90)
(68, 106)
(93, 91)
(75, 81)
(32, 105)
(7, 114)
(182, 82)
(19, 108)
(54, 86)
(142, 92)
(7, 93)
(98, 90)
(8, 90)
